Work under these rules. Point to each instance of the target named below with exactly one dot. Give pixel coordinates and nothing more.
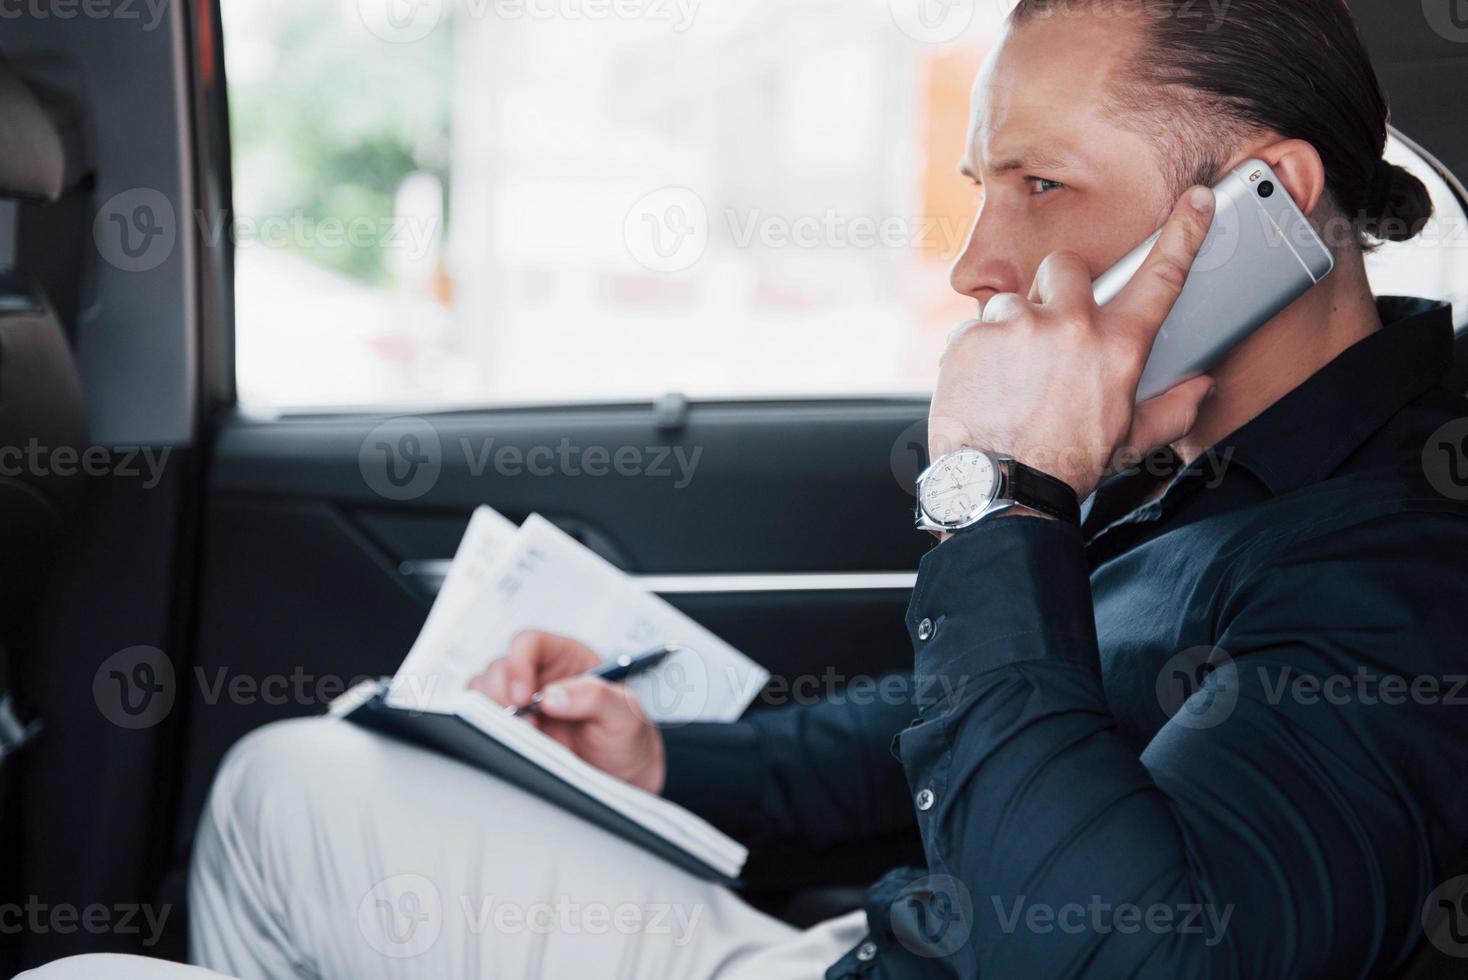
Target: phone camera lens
(1266, 189)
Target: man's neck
(1283, 354)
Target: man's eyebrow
(1031, 160)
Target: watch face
(959, 487)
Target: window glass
(478, 201)
(498, 201)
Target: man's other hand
(600, 722)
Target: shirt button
(866, 952)
(925, 630)
(925, 800)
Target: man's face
(1058, 171)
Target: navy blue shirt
(1221, 733)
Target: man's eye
(1039, 185)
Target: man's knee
(112, 967)
(279, 774)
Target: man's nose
(984, 268)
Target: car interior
(240, 538)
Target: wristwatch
(964, 487)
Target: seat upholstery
(43, 431)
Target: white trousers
(328, 852)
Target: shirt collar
(1306, 435)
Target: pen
(613, 671)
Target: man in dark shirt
(1290, 818)
(1218, 729)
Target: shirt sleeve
(1261, 833)
(803, 774)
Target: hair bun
(1399, 207)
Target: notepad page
(544, 579)
(708, 680)
(446, 653)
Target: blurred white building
(792, 134)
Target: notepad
(505, 579)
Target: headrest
(33, 148)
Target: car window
(501, 201)
(485, 202)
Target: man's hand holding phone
(1052, 379)
(599, 721)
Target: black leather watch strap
(1043, 493)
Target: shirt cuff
(1007, 591)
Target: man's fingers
(534, 659)
(522, 666)
(587, 699)
(1063, 281)
(1149, 297)
(1003, 306)
(491, 683)
(1166, 418)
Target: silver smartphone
(1260, 256)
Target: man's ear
(1300, 169)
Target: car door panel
(791, 538)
